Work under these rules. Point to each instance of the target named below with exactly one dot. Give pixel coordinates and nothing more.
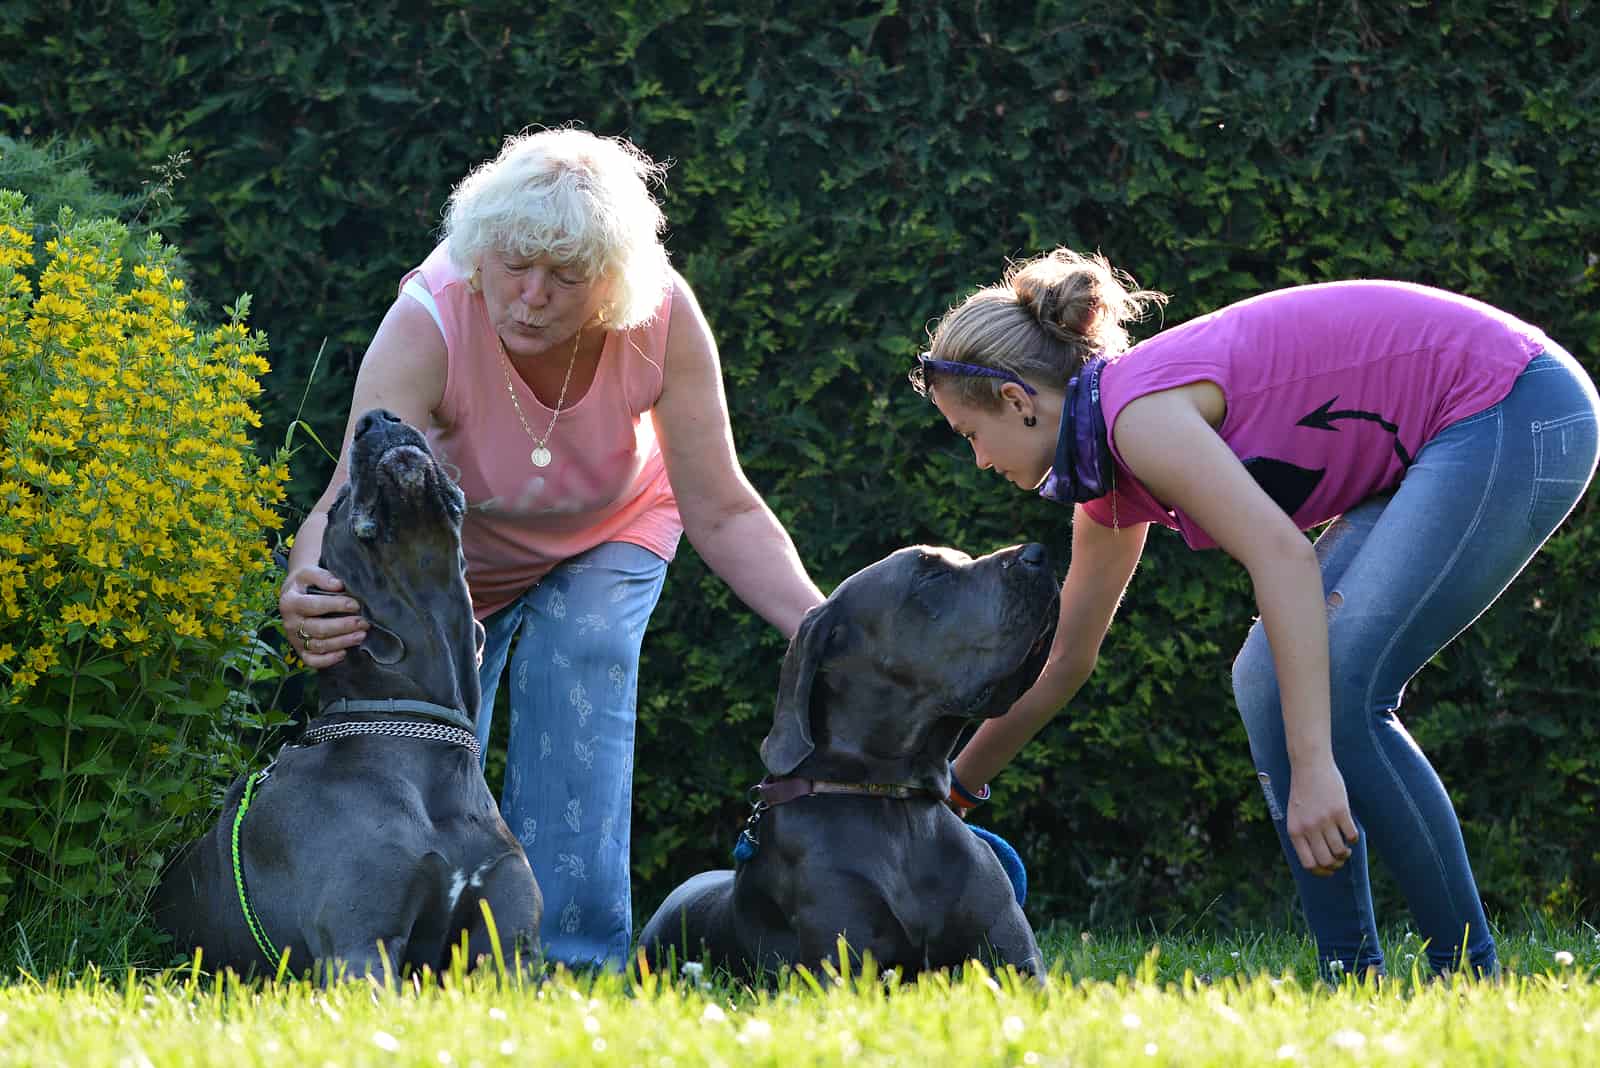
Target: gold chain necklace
(1115, 526)
(541, 452)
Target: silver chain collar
(436, 732)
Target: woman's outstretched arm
(1102, 562)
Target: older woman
(565, 374)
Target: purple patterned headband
(925, 361)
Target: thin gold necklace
(540, 456)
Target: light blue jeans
(1404, 574)
(568, 793)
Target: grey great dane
(376, 826)
(850, 832)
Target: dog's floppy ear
(789, 742)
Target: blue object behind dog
(1009, 860)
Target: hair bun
(1057, 331)
(1080, 301)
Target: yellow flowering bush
(135, 560)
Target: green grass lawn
(1126, 998)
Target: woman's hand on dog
(318, 620)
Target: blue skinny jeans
(1404, 573)
(568, 792)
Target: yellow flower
(131, 490)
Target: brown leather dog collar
(780, 791)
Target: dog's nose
(372, 418)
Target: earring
(1029, 420)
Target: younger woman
(1445, 439)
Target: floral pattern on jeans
(572, 643)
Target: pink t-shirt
(1331, 389)
(606, 481)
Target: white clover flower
(1348, 1039)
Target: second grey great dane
(852, 837)
(374, 835)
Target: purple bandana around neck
(1083, 465)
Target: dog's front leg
(515, 905)
(1011, 941)
(863, 927)
(349, 944)
(376, 958)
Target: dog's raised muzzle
(1032, 555)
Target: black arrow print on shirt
(1323, 417)
(1288, 485)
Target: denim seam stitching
(1537, 430)
(1563, 421)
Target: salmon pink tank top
(606, 480)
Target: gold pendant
(540, 457)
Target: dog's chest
(920, 887)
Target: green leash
(251, 920)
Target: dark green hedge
(843, 173)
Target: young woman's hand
(1320, 825)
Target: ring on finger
(301, 633)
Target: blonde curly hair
(576, 197)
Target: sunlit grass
(1534, 945)
(1112, 999)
